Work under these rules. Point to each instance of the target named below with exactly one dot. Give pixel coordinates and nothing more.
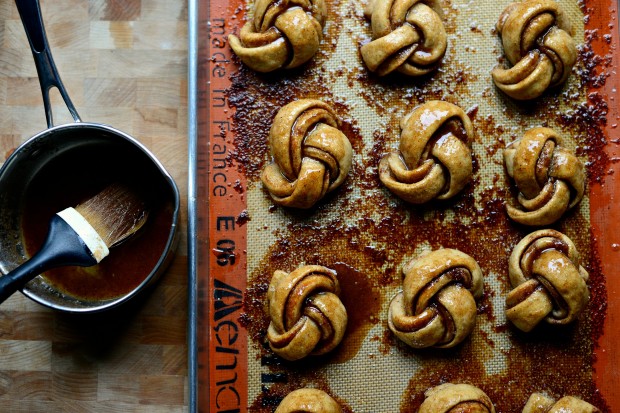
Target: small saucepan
(64, 165)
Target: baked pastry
(540, 403)
(434, 158)
(548, 281)
(538, 43)
(408, 37)
(437, 306)
(550, 178)
(456, 398)
(282, 34)
(311, 156)
(307, 316)
(308, 401)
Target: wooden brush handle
(62, 247)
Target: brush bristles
(115, 213)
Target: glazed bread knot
(434, 160)
(282, 34)
(311, 156)
(307, 316)
(308, 401)
(538, 43)
(540, 403)
(547, 280)
(437, 307)
(549, 177)
(456, 398)
(408, 36)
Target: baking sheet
(237, 236)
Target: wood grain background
(124, 63)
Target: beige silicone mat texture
(374, 381)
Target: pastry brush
(82, 235)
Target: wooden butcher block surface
(124, 63)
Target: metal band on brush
(87, 233)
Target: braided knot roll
(537, 41)
(308, 401)
(282, 34)
(311, 156)
(307, 316)
(456, 398)
(437, 306)
(540, 403)
(434, 160)
(408, 36)
(548, 281)
(550, 178)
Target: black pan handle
(30, 13)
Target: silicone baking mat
(239, 237)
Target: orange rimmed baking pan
(239, 237)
